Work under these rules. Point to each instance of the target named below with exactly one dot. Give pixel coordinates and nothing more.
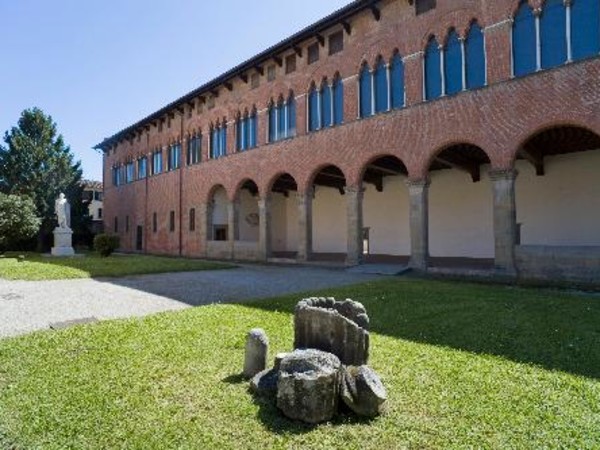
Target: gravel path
(27, 306)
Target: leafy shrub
(18, 220)
(105, 244)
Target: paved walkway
(27, 306)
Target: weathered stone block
(265, 382)
(340, 328)
(308, 387)
(362, 391)
(257, 347)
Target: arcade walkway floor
(27, 306)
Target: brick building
(459, 133)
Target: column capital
(354, 190)
(423, 183)
(503, 174)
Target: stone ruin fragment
(328, 364)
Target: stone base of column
(63, 238)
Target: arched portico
(461, 216)
(329, 230)
(558, 203)
(283, 229)
(385, 208)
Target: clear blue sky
(97, 66)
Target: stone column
(419, 223)
(505, 220)
(304, 226)
(232, 225)
(205, 219)
(264, 239)
(354, 198)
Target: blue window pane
(524, 41)
(397, 79)
(381, 87)
(239, 142)
(326, 106)
(281, 131)
(585, 35)
(214, 144)
(313, 110)
(453, 64)
(291, 107)
(475, 53)
(553, 26)
(366, 107)
(254, 131)
(247, 126)
(338, 101)
(223, 141)
(272, 124)
(433, 76)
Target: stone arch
(246, 211)
(557, 189)
(327, 188)
(283, 217)
(461, 210)
(585, 123)
(217, 214)
(385, 210)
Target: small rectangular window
(154, 222)
(193, 219)
(254, 80)
(99, 213)
(210, 102)
(116, 225)
(172, 221)
(336, 42)
(271, 73)
(313, 53)
(422, 6)
(220, 232)
(290, 64)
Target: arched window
(381, 86)
(291, 115)
(433, 75)
(214, 142)
(251, 129)
(453, 64)
(338, 100)
(272, 122)
(397, 81)
(313, 109)
(223, 139)
(366, 92)
(326, 105)
(475, 57)
(524, 41)
(585, 34)
(281, 128)
(553, 28)
(240, 131)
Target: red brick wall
(497, 118)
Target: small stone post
(419, 223)
(505, 220)
(257, 347)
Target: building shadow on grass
(556, 330)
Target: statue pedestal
(63, 246)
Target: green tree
(18, 220)
(36, 162)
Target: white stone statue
(63, 212)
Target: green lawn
(466, 366)
(35, 267)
